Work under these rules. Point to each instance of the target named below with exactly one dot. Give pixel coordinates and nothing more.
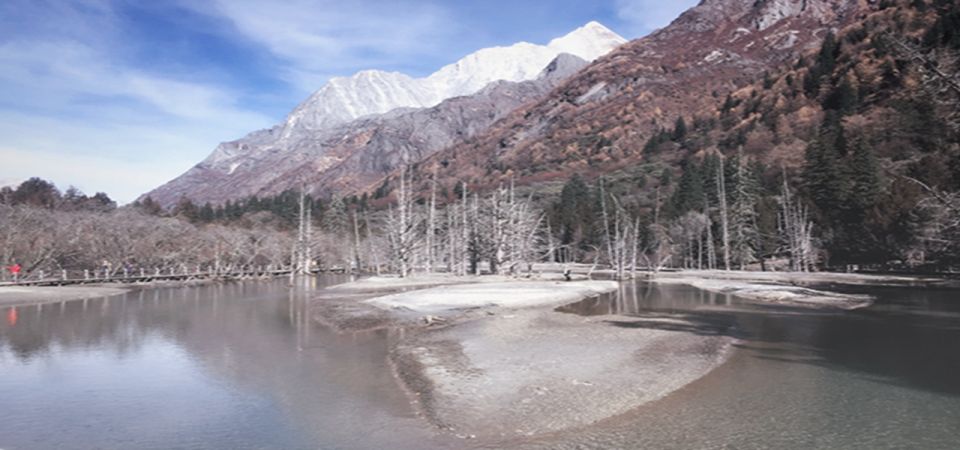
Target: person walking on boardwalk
(15, 271)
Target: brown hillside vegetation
(601, 119)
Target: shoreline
(810, 290)
(808, 278)
(494, 361)
(16, 296)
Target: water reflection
(234, 365)
(883, 377)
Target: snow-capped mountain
(349, 157)
(376, 92)
(312, 134)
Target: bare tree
(796, 230)
(432, 224)
(724, 219)
(623, 245)
(658, 252)
(403, 228)
(303, 256)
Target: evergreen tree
(666, 178)
(187, 209)
(866, 187)
(823, 172)
(36, 192)
(745, 193)
(824, 65)
(843, 98)
(679, 129)
(689, 195)
(574, 213)
(335, 218)
(709, 168)
(150, 206)
(206, 214)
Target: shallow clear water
(231, 366)
(887, 376)
(242, 366)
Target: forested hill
(860, 127)
(864, 127)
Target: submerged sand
(537, 372)
(30, 295)
(491, 359)
(791, 288)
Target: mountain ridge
(318, 115)
(600, 119)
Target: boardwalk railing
(142, 275)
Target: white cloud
(73, 112)
(54, 74)
(645, 16)
(123, 180)
(321, 38)
(124, 159)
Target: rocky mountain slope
(351, 156)
(360, 113)
(600, 120)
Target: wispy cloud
(121, 95)
(320, 38)
(60, 74)
(122, 180)
(74, 110)
(645, 16)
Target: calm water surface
(887, 376)
(232, 366)
(241, 366)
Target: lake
(220, 366)
(243, 366)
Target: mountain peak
(376, 92)
(369, 93)
(589, 42)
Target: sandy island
(491, 359)
(788, 288)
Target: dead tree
(465, 233)
(657, 254)
(724, 220)
(624, 243)
(606, 222)
(796, 230)
(403, 228)
(432, 225)
(358, 263)
(302, 253)
(711, 251)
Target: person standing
(15, 271)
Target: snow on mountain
(589, 42)
(377, 92)
(370, 93)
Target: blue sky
(123, 95)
